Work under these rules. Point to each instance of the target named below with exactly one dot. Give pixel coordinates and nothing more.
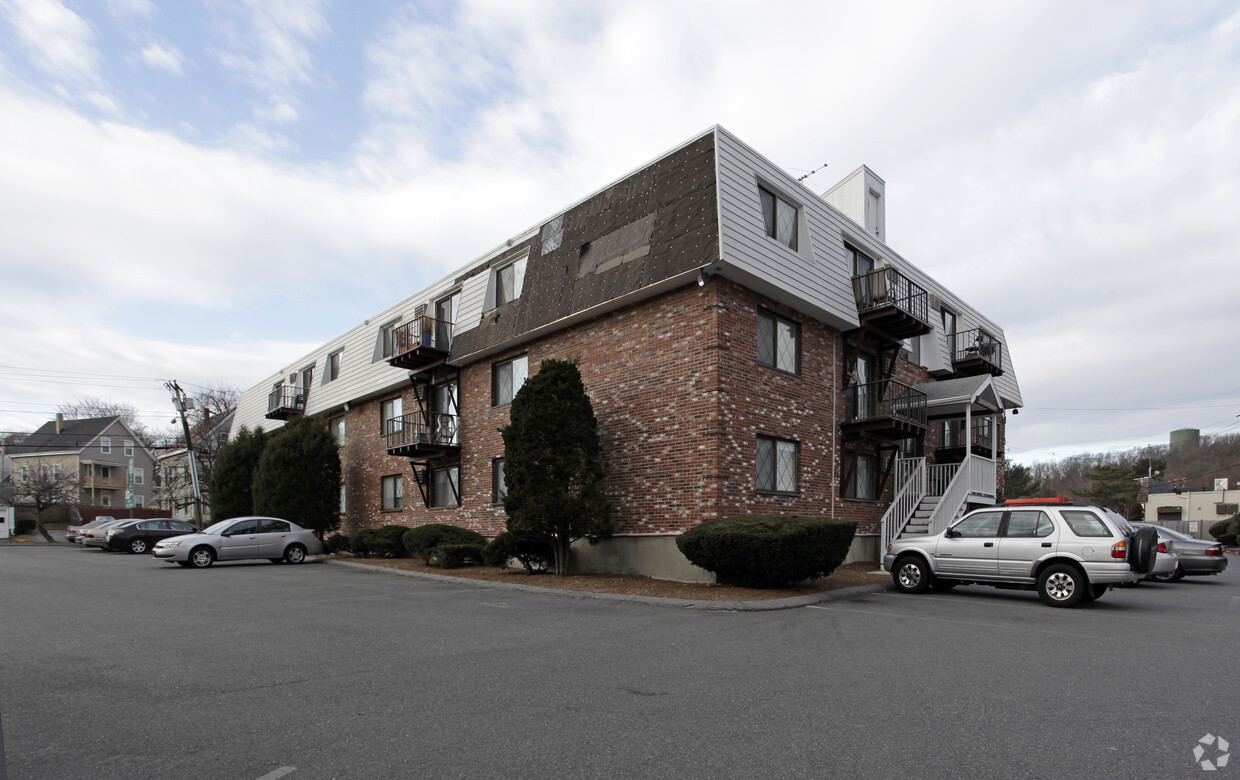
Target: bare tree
(212, 401)
(44, 485)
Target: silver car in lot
(240, 538)
(1194, 556)
(1068, 551)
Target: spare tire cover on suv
(1142, 547)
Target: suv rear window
(1085, 523)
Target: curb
(767, 605)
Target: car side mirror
(951, 533)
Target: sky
(207, 190)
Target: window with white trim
(105, 445)
(779, 342)
(336, 426)
(507, 378)
(779, 218)
(509, 280)
(777, 465)
(333, 366)
(139, 500)
(139, 476)
(128, 448)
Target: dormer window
(509, 280)
(779, 217)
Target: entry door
(974, 549)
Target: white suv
(1069, 551)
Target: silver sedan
(240, 538)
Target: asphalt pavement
(116, 665)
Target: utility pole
(181, 403)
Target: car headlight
(167, 545)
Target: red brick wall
(680, 398)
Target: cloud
(58, 41)
(161, 57)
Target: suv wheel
(911, 574)
(1062, 585)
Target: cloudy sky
(207, 190)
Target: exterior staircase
(929, 498)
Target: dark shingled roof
(74, 435)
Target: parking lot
(118, 666)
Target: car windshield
(218, 528)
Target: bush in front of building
(394, 538)
(337, 543)
(534, 555)
(1227, 531)
(767, 551)
(424, 541)
(455, 555)
(369, 543)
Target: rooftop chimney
(60, 420)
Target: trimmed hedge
(456, 554)
(533, 555)
(422, 542)
(337, 543)
(1227, 531)
(767, 551)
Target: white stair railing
(953, 497)
(910, 490)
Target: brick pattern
(680, 398)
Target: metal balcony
(885, 410)
(421, 343)
(975, 352)
(892, 303)
(286, 402)
(422, 435)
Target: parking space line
(277, 773)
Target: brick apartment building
(749, 347)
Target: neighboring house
(748, 346)
(102, 451)
(1190, 511)
(176, 493)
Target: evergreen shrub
(422, 541)
(337, 543)
(454, 555)
(768, 551)
(367, 543)
(1227, 531)
(394, 546)
(534, 555)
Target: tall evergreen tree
(553, 462)
(298, 476)
(1018, 481)
(232, 478)
(1113, 486)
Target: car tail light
(1214, 551)
(1119, 550)
(1162, 547)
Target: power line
(82, 373)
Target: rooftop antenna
(811, 173)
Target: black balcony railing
(423, 434)
(977, 352)
(885, 401)
(951, 445)
(419, 343)
(890, 300)
(286, 401)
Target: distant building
(1191, 511)
(748, 346)
(103, 452)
